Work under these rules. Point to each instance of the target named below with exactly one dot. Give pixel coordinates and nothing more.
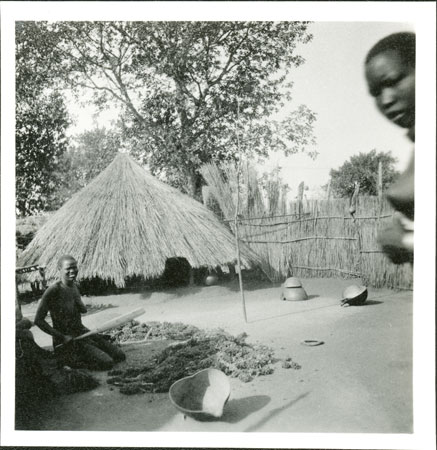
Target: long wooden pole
(237, 210)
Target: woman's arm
(80, 304)
(40, 318)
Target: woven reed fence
(315, 238)
(325, 241)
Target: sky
(331, 83)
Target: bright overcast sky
(331, 83)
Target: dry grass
(127, 223)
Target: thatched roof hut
(127, 223)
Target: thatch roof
(127, 223)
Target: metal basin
(202, 395)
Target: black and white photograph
(218, 224)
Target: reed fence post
(300, 205)
(379, 190)
(354, 200)
(315, 214)
(300, 198)
(380, 180)
(352, 210)
(316, 208)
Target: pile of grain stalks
(199, 349)
(135, 331)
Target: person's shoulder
(55, 286)
(46, 301)
(53, 289)
(76, 287)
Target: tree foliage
(363, 168)
(188, 88)
(40, 142)
(41, 122)
(90, 153)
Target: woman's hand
(23, 324)
(67, 338)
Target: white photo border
(422, 15)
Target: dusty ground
(360, 380)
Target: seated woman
(62, 300)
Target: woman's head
(390, 73)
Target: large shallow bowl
(203, 395)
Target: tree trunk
(194, 185)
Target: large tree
(363, 168)
(41, 122)
(187, 87)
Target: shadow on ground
(371, 302)
(238, 409)
(295, 312)
(188, 291)
(250, 285)
(275, 412)
(174, 292)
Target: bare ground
(359, 380)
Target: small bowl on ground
(354, 295)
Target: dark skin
(68, 273)
(392, 84)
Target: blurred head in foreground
(390, 69)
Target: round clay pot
(211, 280)
(294, 294)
